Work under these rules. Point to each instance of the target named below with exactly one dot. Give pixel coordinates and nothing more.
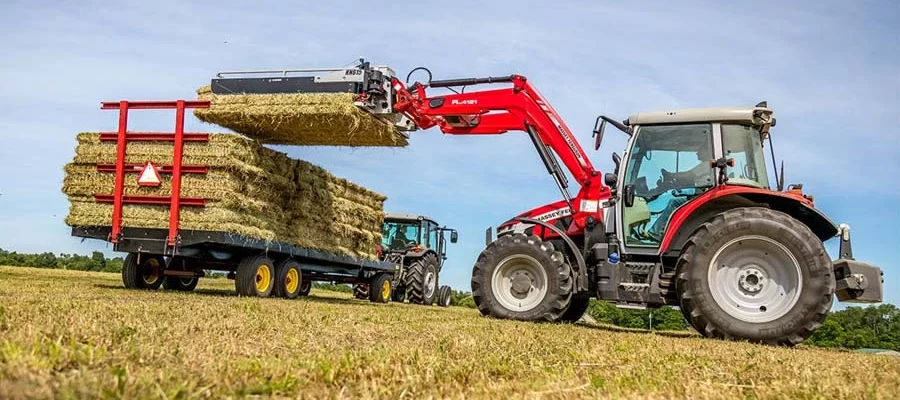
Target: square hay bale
(250, 190)
(301, 119)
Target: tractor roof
(397, 216)
(752, 115)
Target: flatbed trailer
(259, 268)
(175, 258)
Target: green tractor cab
(418, 244)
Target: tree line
(95, 262)
(851, 328)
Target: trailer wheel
(288, 280)
(380, 289)
(421, 280)
(757, 275)
(180, 283)
(521, 277)
(444, 296)
(255, 276)
(305, 287)
(143, 271)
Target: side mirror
(599, 127)
(616, 160)
(453, 237)
(610, 179)
(628, 192)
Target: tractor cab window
(667, 166)
(744, 145)
(431, 241)
(400, 235)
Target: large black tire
(421, 280)
(577, 307)
(758, 246)
(521, 253)
(255, 276)
(288, 279)
(145, 273)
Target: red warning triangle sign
(149, 176)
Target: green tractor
(416, 243)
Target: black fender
(582, 281)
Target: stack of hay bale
(250, 190)
(301, 119)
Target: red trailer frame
(122, 136)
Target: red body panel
(682, 214)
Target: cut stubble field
(68, 334)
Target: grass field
(66, 334)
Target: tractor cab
(409, 233)
(418, 245)
(676, 156)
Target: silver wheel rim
(755, 279)
(519, 283)
(429, 284)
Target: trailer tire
(180, 284)
(255, 276)
(143, 271)
(305, 287)
(444, 297)
(380, 289)
(535, 266)
(755, 274)
(421, 280)
(288, 279)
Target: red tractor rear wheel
(755, 274)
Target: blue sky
(829, 71)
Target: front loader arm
(519, 108)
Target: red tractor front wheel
(522, 277)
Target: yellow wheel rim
(154, 274)
(292, 281)
(385, 290)
(263, 278)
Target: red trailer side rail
(120, 168)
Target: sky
(831, 73)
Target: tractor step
(634, 287)
(632, 306)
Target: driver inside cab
(697, 177)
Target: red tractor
(687, 218)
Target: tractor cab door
(666, 166)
